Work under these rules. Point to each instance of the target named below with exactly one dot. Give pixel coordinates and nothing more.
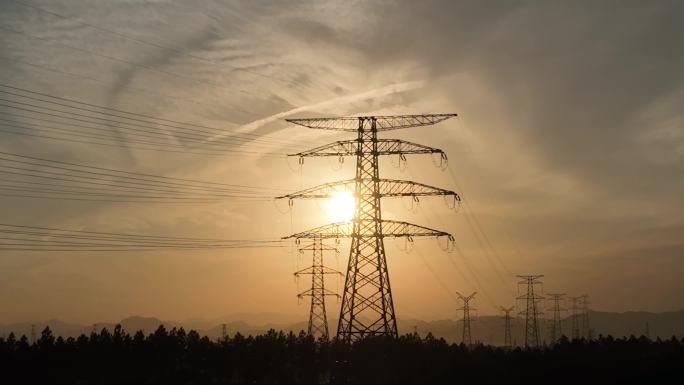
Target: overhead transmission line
(129, 120)
(108, 82)
(143, 131)
(51, 179)
(32, 238)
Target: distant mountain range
(486, 329)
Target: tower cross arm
(312, 270)
(311, 293)
(382, 123)
(388, 188)
(389, 229)
(385, 147)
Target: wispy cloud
(335, 102)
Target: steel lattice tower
(367, 306)
(318, 319)
(556, 328)
(586, 331)
(33, 334)
(467, 337)
(508, 343)
(531, 311)
(575, 317)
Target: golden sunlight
(341, 206)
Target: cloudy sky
(568, 148)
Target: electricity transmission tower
(467, 337)
(33, 334)
(586, 331)
(556, 328)
(574, 301)
(318, 319)
(531, 311)
(507, 326)
(367, 306)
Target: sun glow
(341, 206)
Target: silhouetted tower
(574, 307)
(367, 307)
(224, 332)
(507, 326)
(556, 327)
(648, 331)
(33, 334)
(467, 338)
(586, 331)
(531, 312)
(318, 319)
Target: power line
(109, 82)
(27, 238)
(148, 148)
(184, 125)
(142, 180)
(108, 123)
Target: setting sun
(341, 206)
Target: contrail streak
(375, 93)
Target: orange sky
(569, 148)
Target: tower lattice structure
(467, 338)
(508, 341)
(367, 307)
(532, 311)
(318, 318)
(586, 330)
(574, 308)
(556, 327)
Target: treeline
(180, 357)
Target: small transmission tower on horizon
(33, 334)
(586, 330)
(556, 327)
(367, 306)
(531, 312)
(574, 307)
(508, 343)
(318, 318)
(467, 338)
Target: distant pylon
(33, 334)
(556, 327)
(531, 311)
(574, 307)
(224, 332)
(467, 338)
(586, 330)
(318, 318)
(507, 326)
